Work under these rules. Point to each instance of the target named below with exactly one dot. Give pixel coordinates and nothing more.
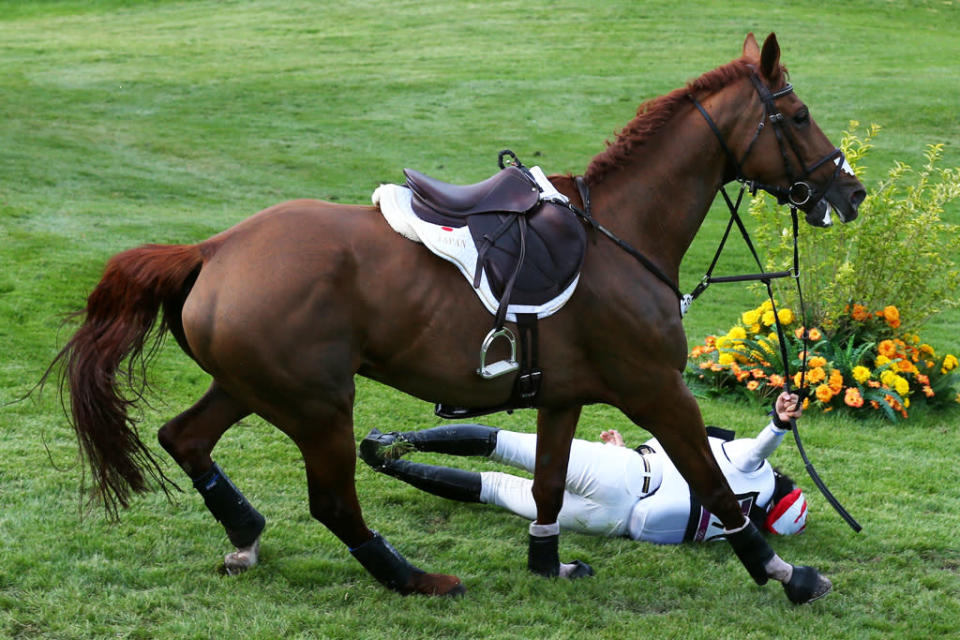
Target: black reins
(799, 193)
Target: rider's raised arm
(747, 454)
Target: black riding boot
(453, 484)
(455, 439)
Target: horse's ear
(770, 59)
(751, 50)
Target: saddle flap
(510, 190)
(555, 246)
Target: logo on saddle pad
(549, 249)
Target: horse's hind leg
(327, 443)
(189, 438)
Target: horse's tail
(120, 320)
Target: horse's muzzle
(842, 200)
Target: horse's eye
(802, 116)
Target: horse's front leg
(675, 419)
(555, 430)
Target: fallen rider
(611, 490)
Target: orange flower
(817, 361)
(836, 381)
(905, 365)
(892, 316)
(758, 374)
(928, 391)
(775, 381)
(816, 374)
(815, 334)
(852, 398)
(887, 348)
(860, 313)
(824, 393)
(753, 385)
(799, 332)
(710, 341)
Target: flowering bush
(899, 239)
(870, 367)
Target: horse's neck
(659, 199)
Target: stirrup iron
(502, 367)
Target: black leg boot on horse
(456, 439)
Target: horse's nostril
(857, 197)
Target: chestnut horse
(286, 307)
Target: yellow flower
(755, 328)
(721, 342)
(900, 385)
(949, 363)
(817, 361)
(768, 317)
(881, 360)
(824, 393)
(785, 315)
(766, 306)
(887, 377)
(726, 358)
(750, 317)
(861, 374)
(737, 333)
(927, 349)
(773, 337)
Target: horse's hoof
(806, 585)
(242, 559)
(435, 584)
(576, 569)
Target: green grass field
(125, 122)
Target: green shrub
(896, 253)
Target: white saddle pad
(456, 245)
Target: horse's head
(787, 154)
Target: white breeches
(603, 483)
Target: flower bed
(868, 367)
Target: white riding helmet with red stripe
(789, 515)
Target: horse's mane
(655, 113)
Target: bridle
(798, 194)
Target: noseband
(800, 192)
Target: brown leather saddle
(529, 246)
(538, 245)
